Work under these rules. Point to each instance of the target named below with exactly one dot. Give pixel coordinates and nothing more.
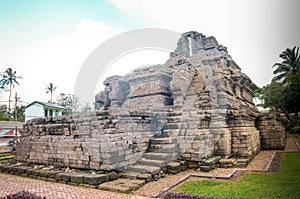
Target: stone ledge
(73, 178)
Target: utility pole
(16, 118)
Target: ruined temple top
(197, 46)
(197, 60)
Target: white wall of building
(40, 110)
(34, 111)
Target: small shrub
(23, 195)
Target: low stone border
(91, 180)
(297, 143)
(193, 175)
(270, 162)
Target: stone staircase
(162, 150)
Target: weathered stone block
(23, 169)
(43, 173)
(95, 179)
(173, 167)
(113, 176)
(77, 177)
(206, 168)
(52, 174)
(212, 160)
(146, 177)
(64, 177)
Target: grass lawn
(283, 184)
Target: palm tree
(50, 89)
(289, 66)
(9, 78)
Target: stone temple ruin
(196, 110)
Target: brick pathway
(11, 184)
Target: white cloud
(57, 59)
(126, 5)
(253, 30)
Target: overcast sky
(48, 41)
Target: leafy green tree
(273, 96)
(20, 113)
(3, 108)
(71, 102)
(50, 88)
(291, 99)
(289, 65)
(259, 93)
(4, 115)
(9, 77)
(283, 94)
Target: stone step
(173, 167)
(157, 163)
(175, 113)
(242, 162)
(174, 119)
(122, 185)
(143, 169)
(211, 161)
(170, 132)
(147, 177)
(162, 140)
(164, 148)
(157, 156)
(191, 96)
(129, 175)
(88, 118)
(172, 126)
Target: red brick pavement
(11, 184)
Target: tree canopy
(50, 88)
(9, 77)
(288, 67)
(283, 93)
(71, 102)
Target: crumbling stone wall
(85, 141)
